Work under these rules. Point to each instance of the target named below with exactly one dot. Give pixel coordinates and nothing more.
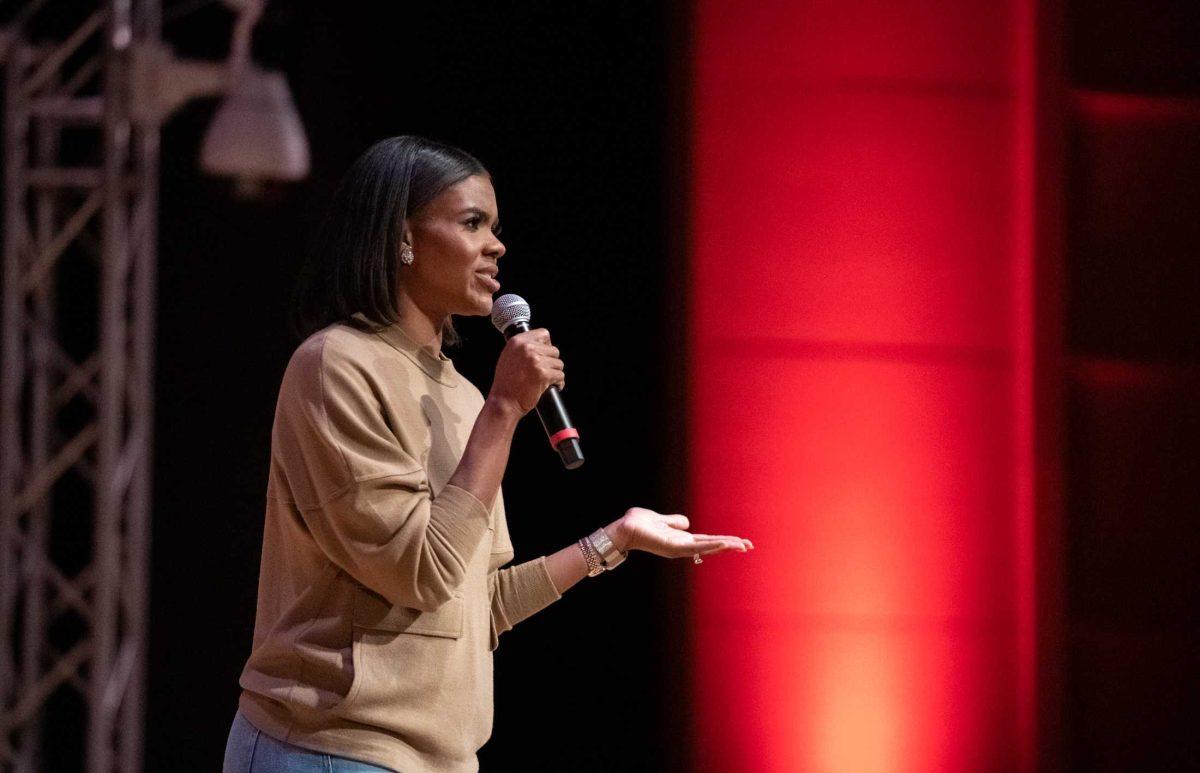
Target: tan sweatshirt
(380, 595)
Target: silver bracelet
(591, 557)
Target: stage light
(256, 135)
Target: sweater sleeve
(518, 592)
(363, 495)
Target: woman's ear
(405, 233)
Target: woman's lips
(489, 280)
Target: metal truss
(80, 220)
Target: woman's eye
(473, 223)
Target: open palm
(667, 536)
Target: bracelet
(591, 557)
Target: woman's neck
(422, 327)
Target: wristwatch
(610, 556)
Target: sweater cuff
(459, 519)
(529, 590)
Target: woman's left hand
(667, 536)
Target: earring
(406, 255)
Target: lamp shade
(256, 134)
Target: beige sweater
(381, 595)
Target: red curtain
(860, 371)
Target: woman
(382, 592)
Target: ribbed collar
(439, 368)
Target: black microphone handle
(553, 413)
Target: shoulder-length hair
(353, 266)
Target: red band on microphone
(563, 434)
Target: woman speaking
(383, 586)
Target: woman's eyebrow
(476, 211)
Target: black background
(1131, 435)
(567, 104)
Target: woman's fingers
(555, 376)
(709, 550)
(706, 546)
(726, 537)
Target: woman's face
(455, 244)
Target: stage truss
(80, 221)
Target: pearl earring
(406, 255)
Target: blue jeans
(249, 750)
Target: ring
(696, 559)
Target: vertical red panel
(857, 354)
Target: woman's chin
(480, 305)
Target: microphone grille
(508, 309)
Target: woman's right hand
(528, 366)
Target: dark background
(1131, 557)
(567, 104)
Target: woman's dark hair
(353, 264)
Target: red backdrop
(861, 368)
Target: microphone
(510, 315)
